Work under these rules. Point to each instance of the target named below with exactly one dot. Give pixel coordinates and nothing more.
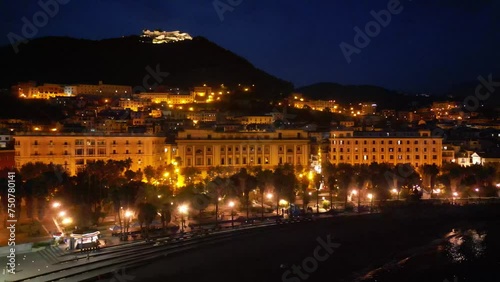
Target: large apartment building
(354, 147)
(205, 148)
(73, 151)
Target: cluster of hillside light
(160, 37)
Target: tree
(430, 173)
(217, 188)
(166, 215)
(344, 172)
(147, 213)
(149, 173)
(284, 182)
(263, 178)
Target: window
(126, 152)
(237, 161)
(139, 152)
(102, 151)
(114, 152)
(229, 161)
(417, 157)
(189, 162)
(391, 149)
(78, 142)
(434, 157)
(373, 142)
(356, 142)
(407, 149)
(244, 160)
(266, 160)
(65, 152)
(280, 149)
(209, 161)
(382, 150)
(373, 150)
(390, 142)
(415, 142)
(341, 158)
(79, 152)
(51, 143)
(356, 157)
(341, 150)
(198, 161)
(101, 142)
(280, 160)
(391, 157)
(222, 160)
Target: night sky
(428, 46)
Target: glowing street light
(269, 196)
(56, 205)
(128, 214)
(354, 192)
(67, 221)
(62, 213)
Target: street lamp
(67, 221)
(62, 213)
(183, 209)
(56, 205)
(231, 205)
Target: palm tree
(217, 188)
(147, 213)
(263, 178)
(344, 172)
(430, 172)
(166, 215)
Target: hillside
(124, 61)
(346, 94)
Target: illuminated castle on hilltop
(159, 36)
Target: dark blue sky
(428, 46)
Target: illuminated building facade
(205, 148)
(416, 148)
(73, 151)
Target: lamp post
(128, 214)
(370, 196)
(182, 210)
(231, 205)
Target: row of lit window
(260, 161)
(390, 142)
(244, 149)
(82, 142)
(81, 152)
(391, 157)
(374, 150)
